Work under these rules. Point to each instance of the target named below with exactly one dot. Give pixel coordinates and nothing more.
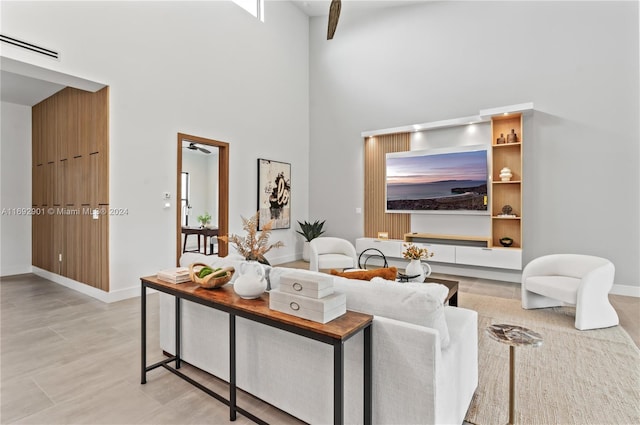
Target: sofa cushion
(389, 273)
(418, 303)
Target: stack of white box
(308, 297)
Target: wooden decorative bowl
(208, 282)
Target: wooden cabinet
(70, 142)
(506, 205)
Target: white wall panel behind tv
(452, 224)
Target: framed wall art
(274, 193)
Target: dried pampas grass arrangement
(255, 244)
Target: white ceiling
(26, 84)
(321, 7)
(28, 91)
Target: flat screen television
(450, 180)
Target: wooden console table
(225, 299)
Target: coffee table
(452, 296)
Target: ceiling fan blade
(204, 150)
(334, 15)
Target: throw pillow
(418, 303)
(388, 273)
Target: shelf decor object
(506, 241)
(505, 174)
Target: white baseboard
(626, 290)
(15, 270)
(106, 297)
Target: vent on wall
(29, 46)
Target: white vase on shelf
(505, 174)
(418, 269)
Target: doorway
(202, 192)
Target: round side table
(514, 336)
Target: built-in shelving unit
(506, 154)
(474, 250)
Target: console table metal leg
(338, 383)
(143, 338)
(232, 367)
(178, 327)
(368, 389)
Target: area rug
(575, 377)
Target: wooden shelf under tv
(482, 241)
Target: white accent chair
(574, 279)
(331, 253)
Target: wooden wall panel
(70, 178)
(375, 218)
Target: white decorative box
(320, 310)
(305, 285)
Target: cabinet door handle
(294, 306)
(487, 249)
(297, 287)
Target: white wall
(15, 189)
(576, 61)
(203, 68)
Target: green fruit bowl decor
(209, 278)
(506, 241)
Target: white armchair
(580, 280)
(331, 253)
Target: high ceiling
(29, 90)
(321, 7)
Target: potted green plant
(309, 231)
(204, 219)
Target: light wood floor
(68, 358)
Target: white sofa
(416, 380)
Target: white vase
(419, 269)
(305, 251)
(505, 174)
(251, 282)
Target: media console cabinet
(462, 250)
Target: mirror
(202, 192)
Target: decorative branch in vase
(416, 271)
(255, 244)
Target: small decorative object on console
(253, 247)
(251, 282)
(512, 137)
(210, 278)
(175, 275)
(305, 285)
(500, 140)
(308, 297)
(507, 209)
(506, 241)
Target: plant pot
(305, 251)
